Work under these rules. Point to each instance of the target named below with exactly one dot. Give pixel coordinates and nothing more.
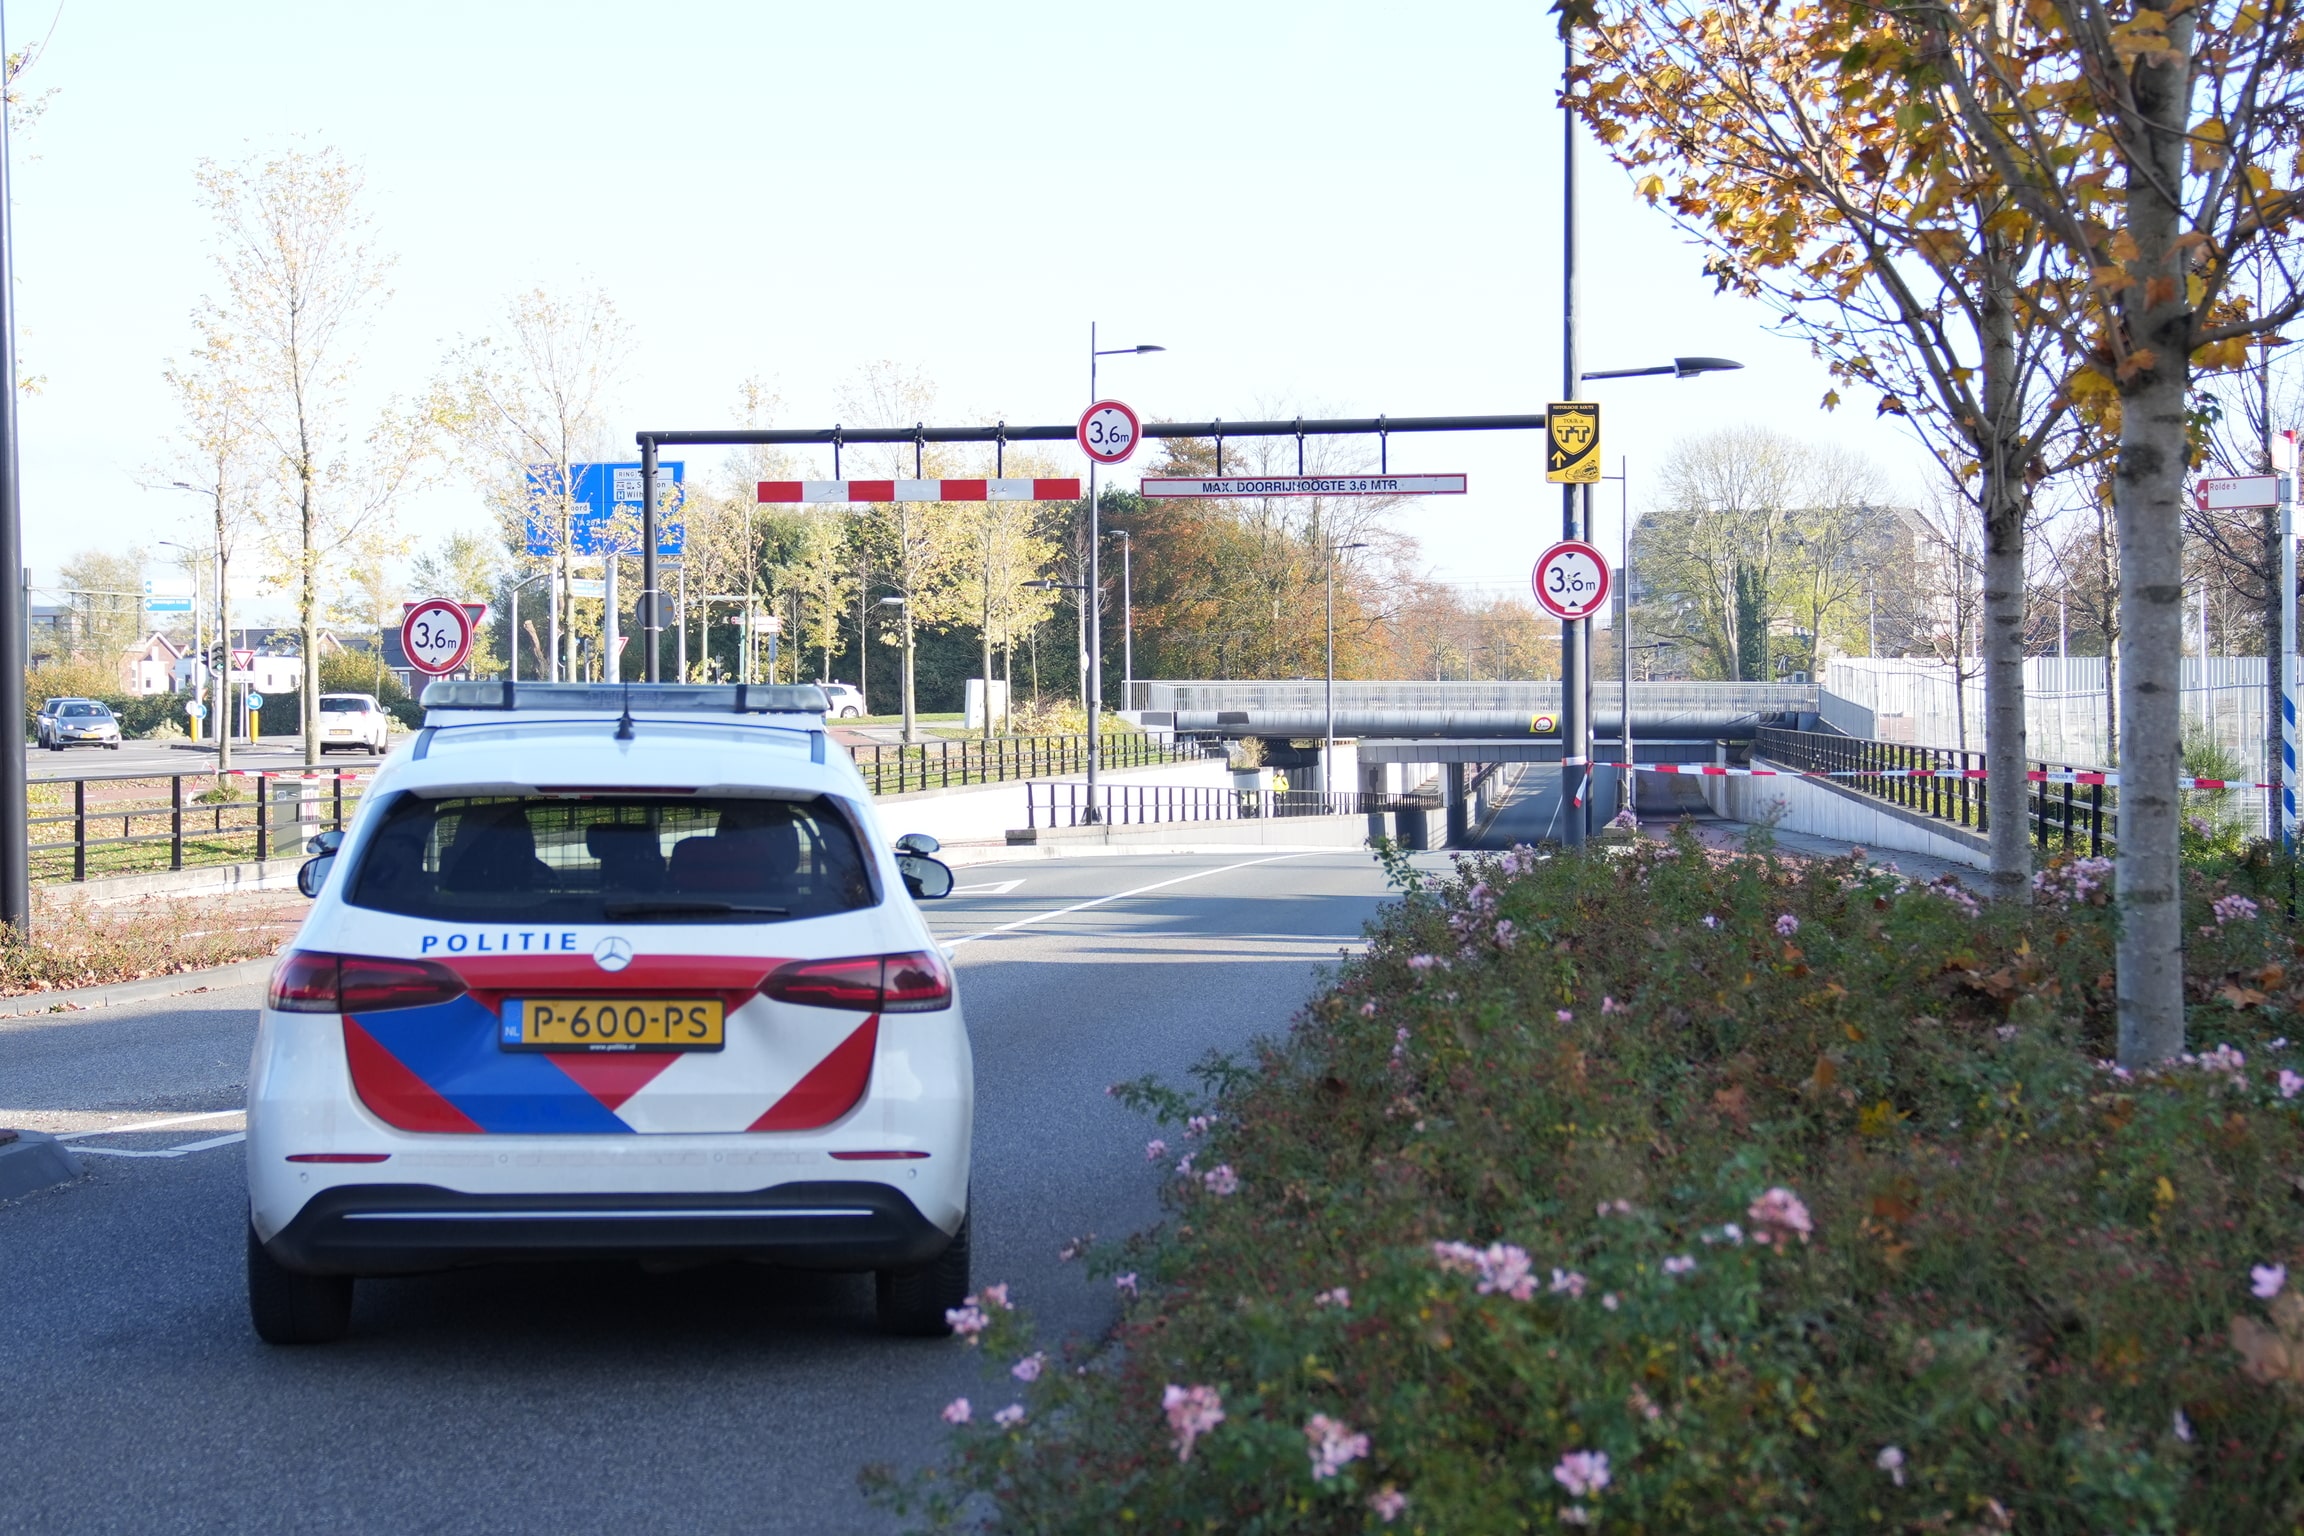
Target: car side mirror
(917, 842)
(325, 842)
(314, 874)
(926, 878)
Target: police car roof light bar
(636, 699)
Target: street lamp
(905, 604)
(1328, 739)
(223, 702)
(1678, 368)
(199, 652)
(1095, 688)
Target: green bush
(1669, 1190)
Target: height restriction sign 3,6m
(1572, 580)
(436, 634)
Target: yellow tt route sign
(1573, 430)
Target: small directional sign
(1572, 430)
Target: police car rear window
(611, 859)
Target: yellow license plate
(615, 1024)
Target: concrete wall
(1186, 837)
(1825, 810)
(983, 815)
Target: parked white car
(603, 971)
(354, 722)
(843, 702)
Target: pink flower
(957, 1411)
(1505, 1270)
(1184, 1165)
(1331, 1443)
(1155, 1149)
(2233, 908)
(1608, 1300)
(1192, 1412)
(1368, 1009)
(1779, 1214)
(1221, 1180)
(1619, 1207)
(1891, 1461)
(1028, 1368)
(1125, 1284)
(1010, 1416)
(1198, 1125)
(1787, 925)
(1575, 1514)
(1456, 1258)
(1388, 1503)
(1679, 1264)
(1573, 1283)
(2182, 1426)
(1565, 1017)
(967, 1321)
(1710, 921)
(2265, 1280)
(1582, 1472)
(1339, 1297)
(1421, 962)
(996, 1296)
(1505, 933)
(1610, 1005)
(2290, 1084)
(1075, 1248)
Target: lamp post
(515, 602)
(1095, 689)
(906, 605)
(1328, 737)
(1678, 368)
(1127, 619)
(223, 704)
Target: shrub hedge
(1666, 1190)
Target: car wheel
(292, 1308)
(912, 1302)
(851, 713)
(111, 746)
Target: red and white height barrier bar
(828, 492)
(2035, 775)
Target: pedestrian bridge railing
(1947, 785)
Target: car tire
(911, 1303)
(851, 714)
(111, 746)
(292, 1308)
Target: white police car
(606, 971)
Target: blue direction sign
(604, 508)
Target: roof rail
(632, 698)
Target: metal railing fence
(2062, 817)
(71, 820)
(947, 763)
(1068, 805)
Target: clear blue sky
(1335, 208)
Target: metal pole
(651, 628)
(2287, 672)
(1127, 621)
(1575, 671)
(1093, 607)
(1328, 735)
(1624, 630)
(611, 662)
(15, 833)
(681, 619)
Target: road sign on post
(242, 661)
(2243, 493)
(1571, 580)
(604, 509)
(1573, 454)
(436, 635)
(1108, 432)
(1172, 487)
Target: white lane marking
(182, 1151)
(995, 888)
(148, 1125)
(1041, 917)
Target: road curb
(74, 999)
(33, 1160)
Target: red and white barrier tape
(2034, 775)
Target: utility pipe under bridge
(1466, 724)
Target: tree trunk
(2006, 791)
(2146, 489)
(308, 620)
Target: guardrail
(1070, 805)
(174, 830)
(1946, 785)
(947, 763)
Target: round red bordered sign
(1571, 580)
(1108, 431)
(436, 635)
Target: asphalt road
(171, 757)
(598, 1397)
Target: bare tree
(215, 453)
(300, 282)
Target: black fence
(1070, 804)
(947, 763)
(2063, 817)
(268, 813)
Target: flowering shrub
(1677, 1216)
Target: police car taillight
(306, 982)
(913, 983)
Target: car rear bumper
(380, 1229)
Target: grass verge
(75, 943)
(1675, 1191)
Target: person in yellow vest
(1279, 782)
